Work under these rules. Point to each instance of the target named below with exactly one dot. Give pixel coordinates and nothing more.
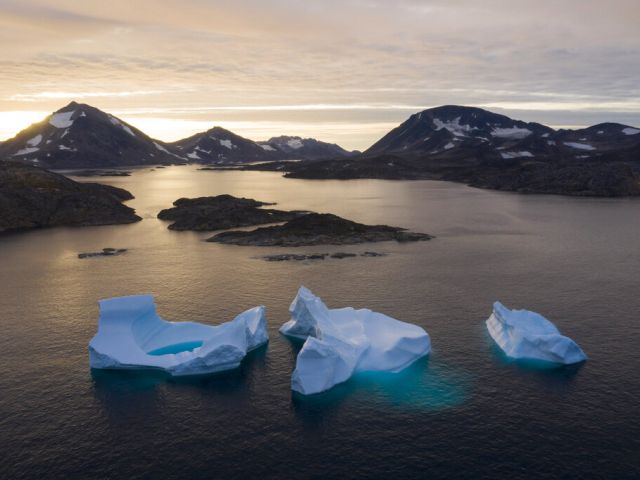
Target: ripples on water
(464, 412)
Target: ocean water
(463, 412)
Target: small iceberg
(523, 334)
(131, 335)
(340, 342)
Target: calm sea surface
(464, 412)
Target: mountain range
(450, 129)
(485, 149)
(81, 136)
(456, 143)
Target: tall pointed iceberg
(131, 335)
(340, 342)
(522, 334)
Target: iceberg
(340, 342)
(131, 335)
(523, 334)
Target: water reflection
(425, 385)
(123, 393)
(551, 375)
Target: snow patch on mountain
(454, 127)
(117, 122)
(295, 143)
(35, 141)
(507, 155)
(161, 148)
(269, 148)
(630, 131)
(227, 143)
(512, 132)
(26, 151)
(62, 119)
(579, 146)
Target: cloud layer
(345, 69)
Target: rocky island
(31, 197)
(318, 229)
(222, 212)
(299, 257)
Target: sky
(343, 71)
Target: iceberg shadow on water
(552, 377)
(426, 385)
(120, 391)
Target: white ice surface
(340, 342)
(62, 119)
(522, 334)
(129, 329)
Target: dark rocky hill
(304, 148)
(31, 197)
(81, 136)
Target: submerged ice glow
(340, 342)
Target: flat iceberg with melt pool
(526, 335)
(340, 342)
(131, 335)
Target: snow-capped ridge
(81, 136)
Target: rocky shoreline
(317, 229)
(298, 257)
(31, 197)
(222, 212)
(99, 173)
(301, 228)
(106, 252)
